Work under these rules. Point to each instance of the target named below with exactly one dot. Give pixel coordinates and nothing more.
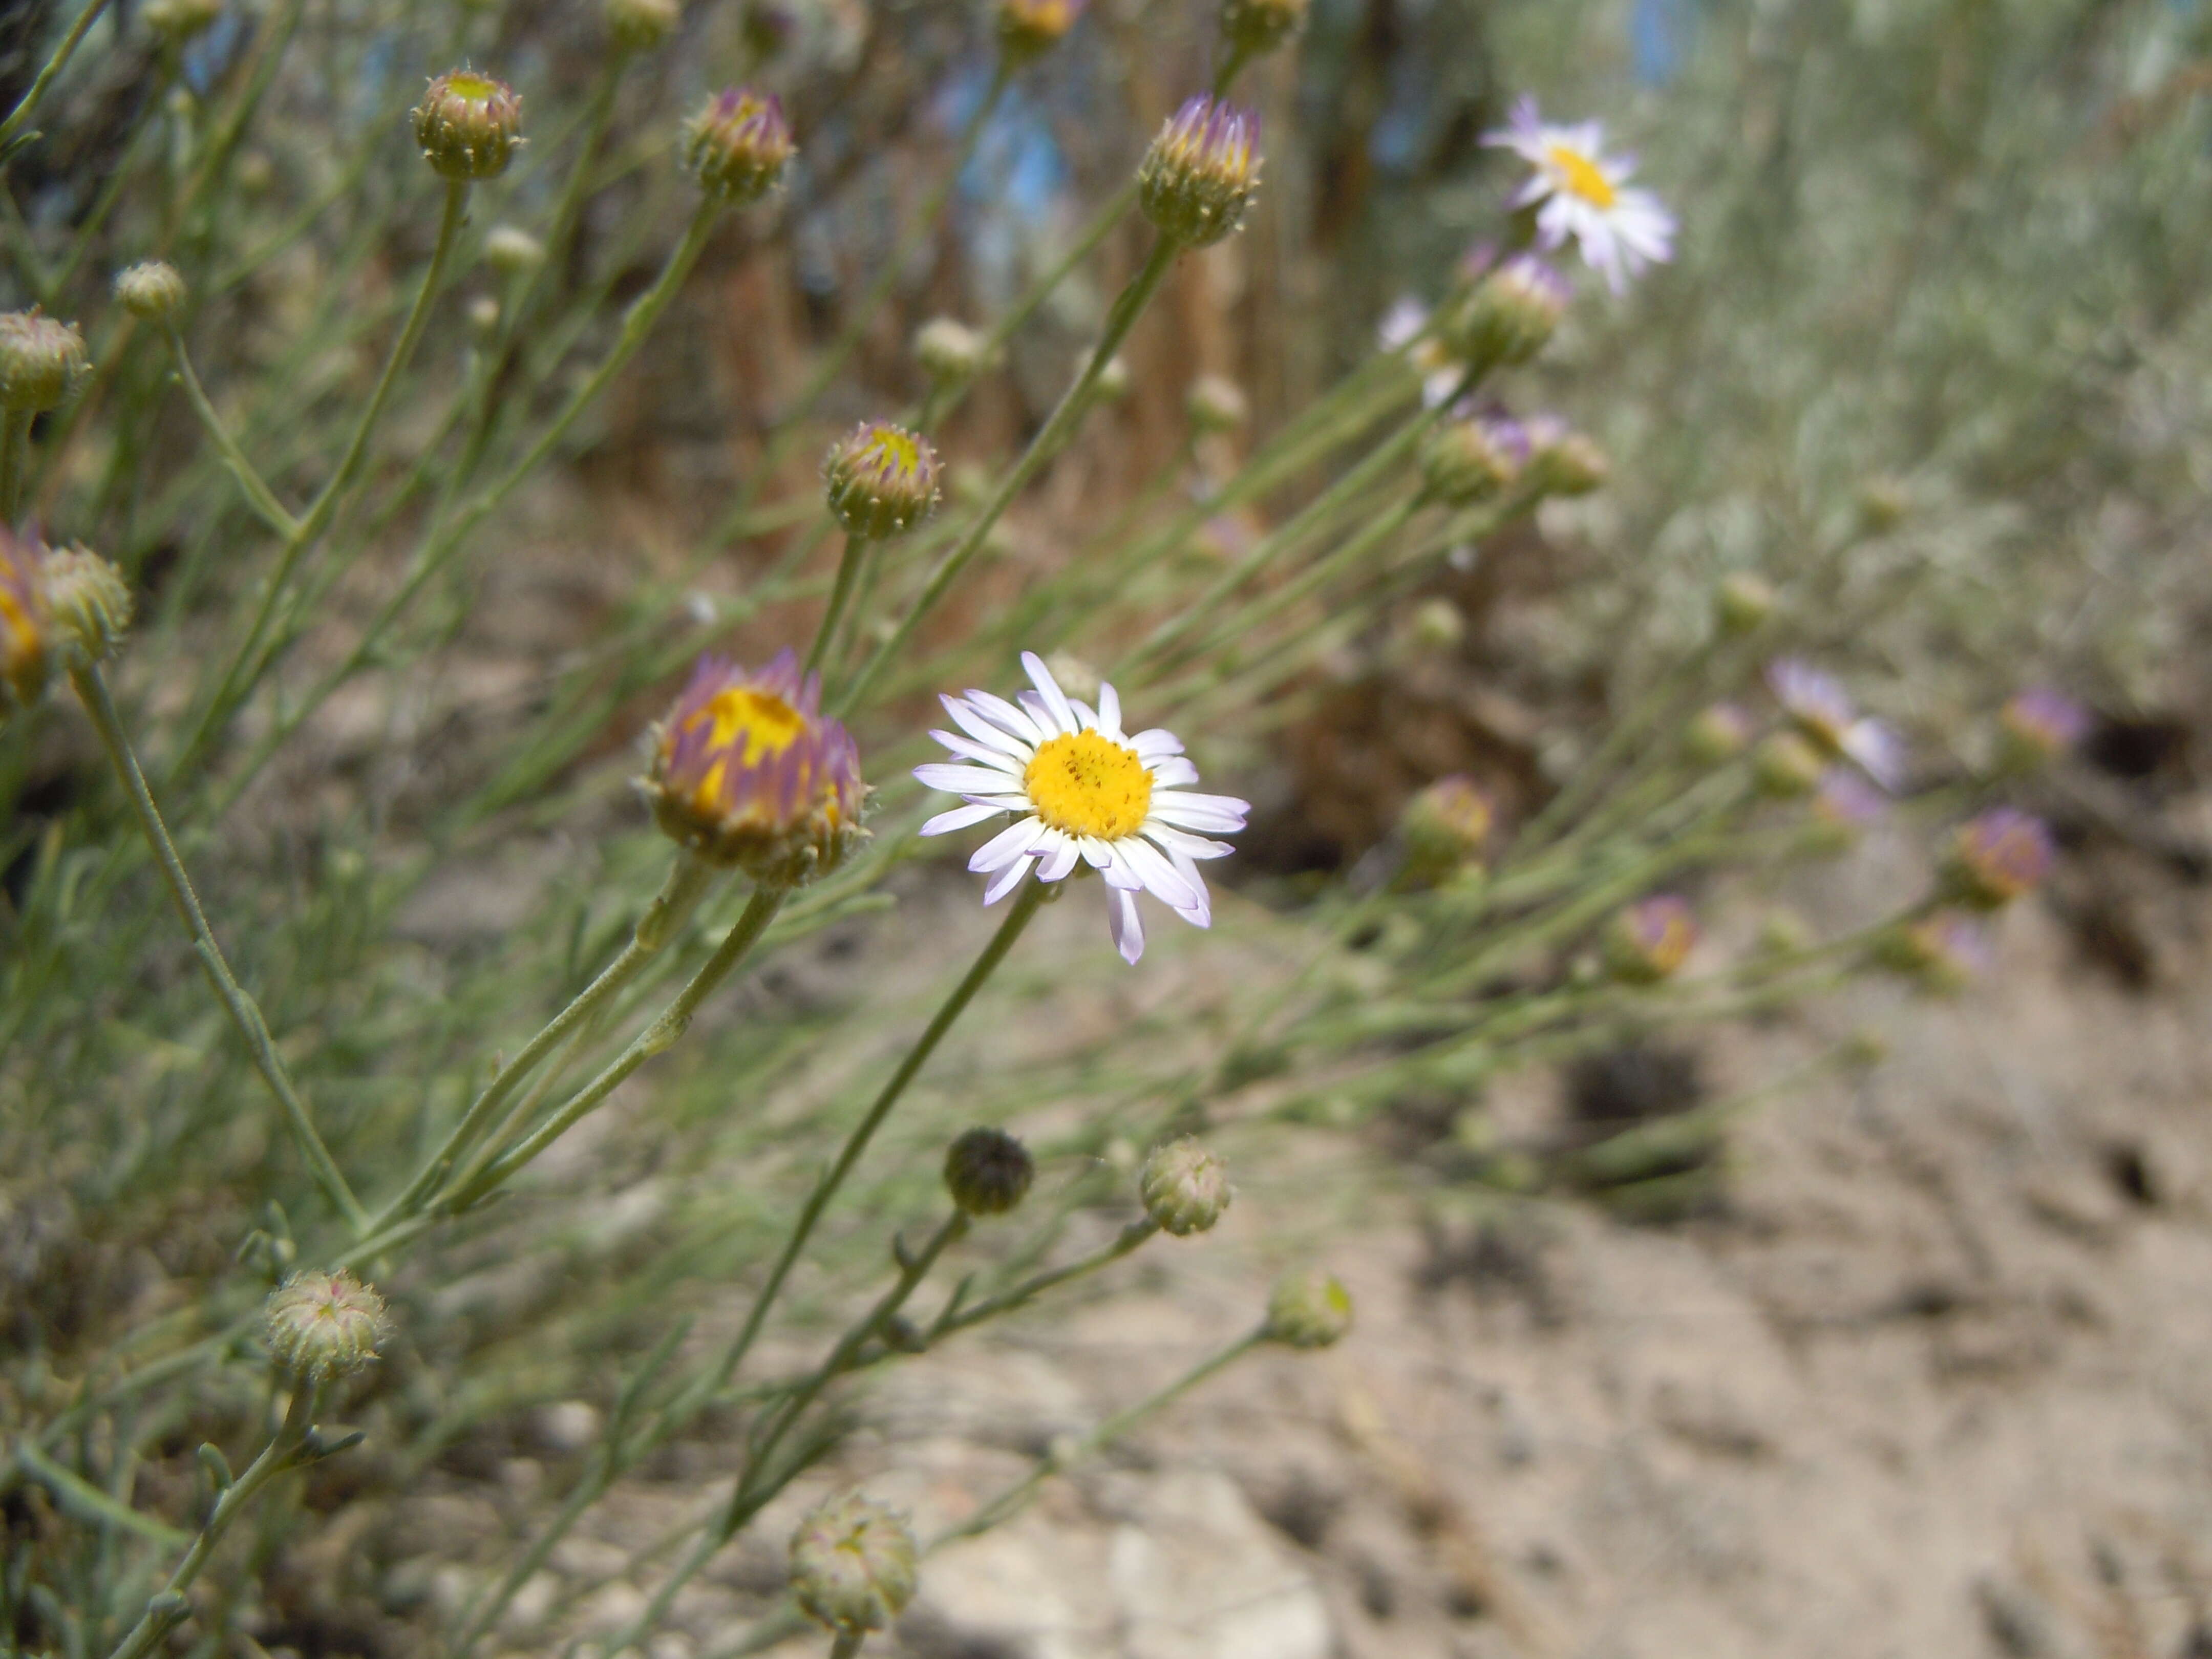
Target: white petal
(1110, 711)
(1056, 861)
(1200, 915)
(1182, 841)
(1160, 877)
(1173, 772)
(1086, 717)
(1117, 869)
(1006, 880)
(998, 759)
(1156, 742)
(959, 819)
(1006, 846)
(1126, 924)
(1187, 810)
(984, 731)
(1098, 854)
(1000, 712)
(1049, 688)
(960, 780)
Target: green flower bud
(89, 601)
(987, 1172)
(1650, 939)
(1475, 459)
(1741, 602)
(1786, 766)
(950, 352)
(40, 362)
(738, 145)
(177, 20)
(1309, 1309)
(153, 290)
(469, 125)
(1717, 734)
(881, 480)
(1216, 405)
(510, 250)
(853, 1564)
(641, 25)
(321, 1326)
(1509, 314)
(1253, 28)
(1446, 826)
(1201, 173)
(1113, 382)
(1185, 1188)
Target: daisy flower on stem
(1083, 794)
(1818, 705)
(1579, 192)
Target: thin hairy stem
(27, 105)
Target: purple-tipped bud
(738, 145)
(748, 772)
(1717, 734)
(853, 1564)
(1473, 459)
(1253, 28)
(881, 480)
(1650, 939)
(1844, 806)
(1446, 826)
(1201, 173)
(2040, 725)
(26, 626)
(1946, 950)
(1185, 1188)
(40, 362)
(1998, 856)
(1561, 460)
(987, 1172)
(1030, 28)
(469, 125)
(1509, 314)
(1308, 1308)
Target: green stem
(848, 571)
(15, 438)
(53, 66)
(688, 878)
(165, 1609)
(1050, 438)
(91, 687)
(79, 1497)
(482, 1176)
(263, 499)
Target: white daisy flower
(1082, 792)
(1619, 229)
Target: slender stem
(1049, 439)
(257, 492)
(688, 878)
(80, 1497)
(482, 1176)
(957, 1318)
(848, 571)
(15, 438)
(54, 65)
(847, 1643)
(165, 1609)
(91, 687)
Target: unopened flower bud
(987, 1172)
(27, 626)
(1741, 602)
(1438, 625)
(1446, 826)
(1473, 459)
(1717, 734)
(1650, 940)
(1113, 382)
(1185, 1188)
(738, 145)
(881, 480)
(468, 125)
(641, 25)
(40, 362)
(1201, 173)
(1844, 806)
(853, 1564)
(1883, 502)
(1561, 460)
(1509, 314)
(950, 352)
(1784, 933)
(2039, 726)
(1786, 766)
(1998, 856)
(1309, 1309)
(180, 21)
(1030, 28)
(1253, 28)
(153, 290)
(1946, 950)
(510, 250)
(321, 1326)
(483, 314)
(88, 600)
(748, 773)
(1216, 405)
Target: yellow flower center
(1084, 784)
(747, 726)
(1579, 176)
(475, 88)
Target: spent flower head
(748, 772)
(988, 1171)
(468, 125)
(27, 623)
(321, 1326)
(1998, 856)
(1084, 794)
(882, 480)
(153, 290)
(1578, 192)
(1201, 173)
(40, 362)
(1650, 939)
(738, 145)
(1184, 1186)
(88, 601)
(853, 1564)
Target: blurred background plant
(430, 482)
